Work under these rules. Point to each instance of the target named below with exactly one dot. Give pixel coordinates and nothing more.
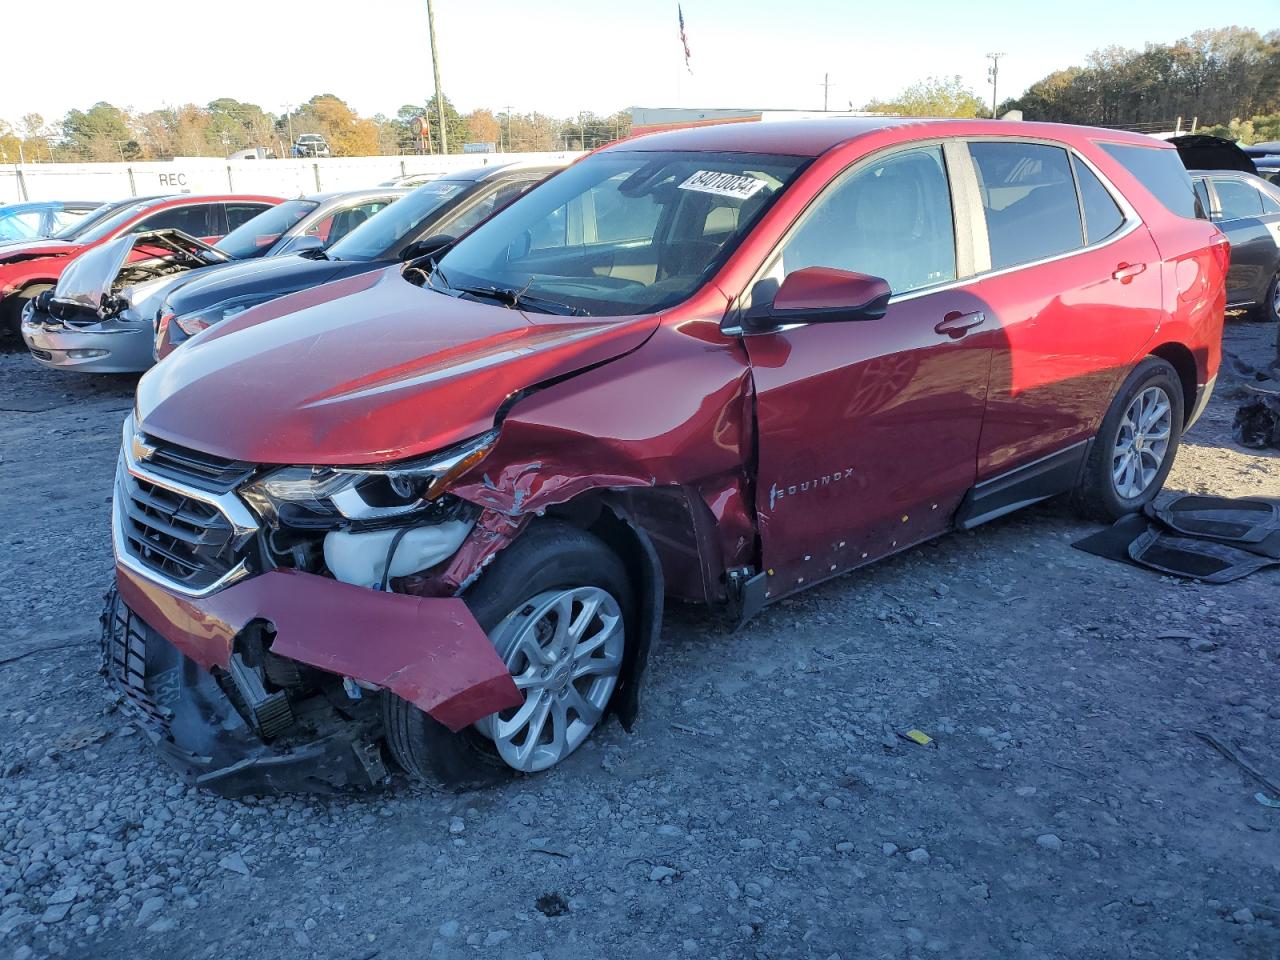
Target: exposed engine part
(367, 559)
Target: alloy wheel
(1142, 443)
(564, 650)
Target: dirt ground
(765, 805)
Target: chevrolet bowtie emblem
(141, 449)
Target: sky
(559, 56)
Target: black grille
(203, 470)
(124, 656)
(186, 540)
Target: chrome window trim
(959, 201)
(229, 505)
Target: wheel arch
(607, 517)
(1183, 362)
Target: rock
(888, 849)
(660, 873)
(165, 925)
(150, 907)
(65, 895)
(1050, 841)
(496, 937)
(1274, 712)
(753, 890)
(1236, 698)
(731, 890)
(832, 803)
(915, 935)
(918, 855)
(844, 846)
(1025, 791)
(1202, 645)
(457, 825)
(235, 863)
(449, 929)
(750, 843)
(1243, 915)
(55, 912)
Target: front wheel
(13, 305)
(557, 606)
(1135, 446)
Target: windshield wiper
(521, 300)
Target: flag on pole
(684, 41)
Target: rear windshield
(254, 236)
(384, 234)
(1160, 170)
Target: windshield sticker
(723, 184)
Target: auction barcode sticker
(723, 184)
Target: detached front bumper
(111, 346)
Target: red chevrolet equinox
(429, 515)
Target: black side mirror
(428, 246)
(307, 243)
(821, 295)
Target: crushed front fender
(429, 651)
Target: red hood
(27, 249)
(364, 370)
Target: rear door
(868, 432)
(1250, 218)
(1075, 284)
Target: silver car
(101, 316)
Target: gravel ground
(765, 805)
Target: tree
(483, 127)
(934, 97)
(100, 133)
(455, 124)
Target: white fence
(282, 178)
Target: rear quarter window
(1161, 171)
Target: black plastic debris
(1257, 423)
(1211, 539)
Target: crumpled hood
(364, 370)
(29, 249)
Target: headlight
(320, 497)
(189, 324)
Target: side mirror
(303, 244)
(821, 295)
(426, 247)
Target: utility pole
(435, 70)
(993, 75)
(826, 90)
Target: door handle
(1127, 271)
(956, 324)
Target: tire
(548, 560)
(1102, 496)
(12, 306)
(1269, 307)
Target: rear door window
(1202, 196)
(1102, 215)
(1029, 196)
(890, 219)
(1159, 170)
(195, 220)
(1236, 199)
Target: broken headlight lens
(189, 324)
(320, 497)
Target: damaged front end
(99, 318)
(252, 643)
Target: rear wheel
(12, 306)
(1269, 308)
(556, 604)
(1135, 446)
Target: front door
(868, 431)
(1250, 217)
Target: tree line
(1227, 81)
(105, 132)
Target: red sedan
(718, 365)
(28, 269)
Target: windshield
(383, 235)
(113, 222)
(75, 230)
(621, 232)
(254, 237)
